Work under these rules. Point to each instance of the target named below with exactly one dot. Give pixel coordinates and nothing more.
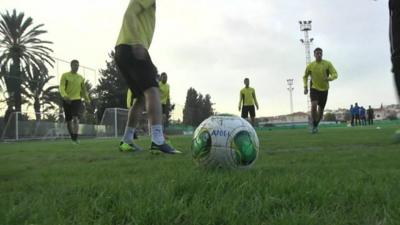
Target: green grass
(339, 176)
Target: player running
(321, 72)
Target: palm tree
(20, 46)
(42, 98)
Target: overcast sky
(212, 45)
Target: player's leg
(358, 120)
(154, 111)
(394, 7)
(126, 64)
(323, 98)
(314, 109)
(314, 115)
(143, 75)
(68, 116)
(320, 113)
(164, 115)
(75, 110)
(252, 112)
(244, 113)
(75, 128)
(134, 115)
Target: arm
(332, 72)
(129, 98)
(240, 100)
(84, 92)
(305, 80)
(168, 96)
(255, 99)
(62, 87)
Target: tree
(20, 46)
(197, 108)
(330, 117)
(112, 88)
(39, 96)
(90, 109)
(189, 109)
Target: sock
(157, 135)
(128, 135)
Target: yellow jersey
(319, 71)
(138, 23)
(247, 97)
(72, 85)
(164, 92)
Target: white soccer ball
(225, 142)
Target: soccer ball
(225, 142)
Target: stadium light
(290, 89)
(305, 27)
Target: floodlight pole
(305, 27)
(290, 89)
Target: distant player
(164, 97)
(356, 112)
(321, 72)
(363, 117)
(134, 62)
(370, 115)
(72, 90)
(351, 110)
(247, 101)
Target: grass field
(339, 176)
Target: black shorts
(72, 109)
(320, 96)
(165, 109)
(246, 109)
(140, 74)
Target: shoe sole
(158, 152)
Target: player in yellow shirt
(247, 101)
(134, 62)
(72, 90)
(164, 97)
(321, 72)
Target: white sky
(211, 45)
